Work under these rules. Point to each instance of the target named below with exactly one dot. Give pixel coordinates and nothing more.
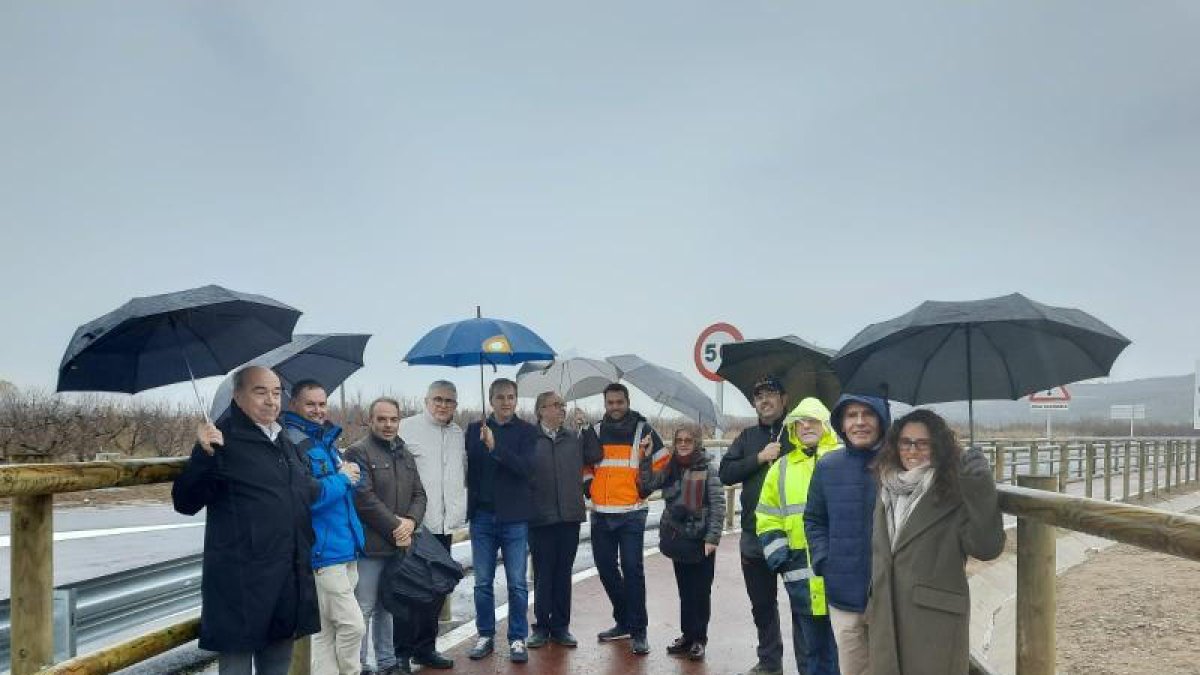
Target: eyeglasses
(918, 444)
(438, 400)
(556, 404)
(809, 422)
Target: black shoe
(696, 652)
(614, 633)
(517, 652)
(640, 646)
(537, 639)
(483, 647)
(564, 638)
(401, 668)
(435, 660)
(679, 647)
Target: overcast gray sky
(614, 175)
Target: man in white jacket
(438, 445)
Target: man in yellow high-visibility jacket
(779, 521)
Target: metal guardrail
(96, 609)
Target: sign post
(707, 355)
(1055, 398)
(1128, 412)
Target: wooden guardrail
(32, 487)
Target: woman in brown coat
(937, 505)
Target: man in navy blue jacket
(499, 507)
(837, 521)
(339, 533)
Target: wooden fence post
(1033, 459)
(1035, 589)
(301, 656)
(730, 508)
(1177, 462)
(1107, 471)
(998, 467)
(32, 584)
(1064, 465)
(1156, 457)
(1141, 470)
(1089, 467)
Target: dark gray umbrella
(997, 348)
(328, 359)
(668, 387)
(163, 339)
(803, 368)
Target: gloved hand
(975, 464)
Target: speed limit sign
(707, 352)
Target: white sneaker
(517, 653)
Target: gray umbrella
(328, 359)
(666, 386)
(570, 378)
(997, 348)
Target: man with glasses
(438, 446)
(747, 461)
(558, 460)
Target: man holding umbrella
(257, 590)
(338, 529)
(747, 461)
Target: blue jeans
(511, 539)
(622, 534)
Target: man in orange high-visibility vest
(619, 515)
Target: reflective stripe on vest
(797, 575)
(774, 546)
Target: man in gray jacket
(438, 445)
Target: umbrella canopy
(328, 359)
(997, 348)
(570, 378)
(802, 367)
(668, 387)
(478, 341)
(163, 339)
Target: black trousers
(762, 585)
(695, 582)
(416, 633)
(553, 549)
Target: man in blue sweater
(837, 521)
(339, 534)
(499, 507)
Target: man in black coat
(257, 588)
(747, 461)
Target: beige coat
(918, 615)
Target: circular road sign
(707, 352)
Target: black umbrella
(997, 348)
(803, 368)
(163, 339)
(328, 359)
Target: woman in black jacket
(689, 532)
(558, 461)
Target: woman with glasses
(937, 505)
(558, 461)
(688, 533)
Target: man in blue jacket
(499, 507)
(339, 533)
(837, 520)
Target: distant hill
(1168, 400)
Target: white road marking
(6, 541)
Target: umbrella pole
(187, 362)
(970, 394)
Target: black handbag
(679, 545)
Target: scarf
(901, 492)
(693, 476)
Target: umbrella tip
(478, 312)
